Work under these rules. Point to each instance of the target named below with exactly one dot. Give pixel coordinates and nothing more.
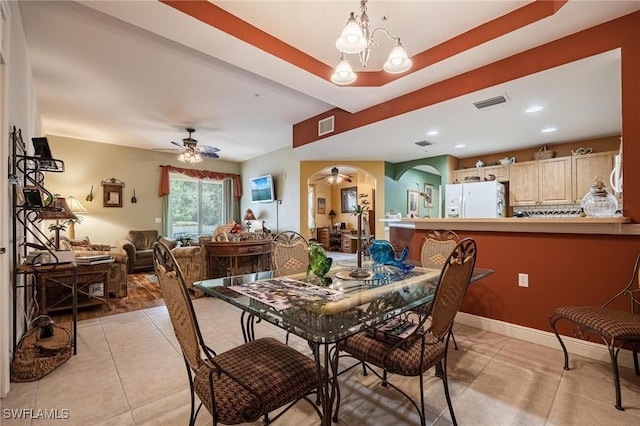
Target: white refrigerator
(475, 200)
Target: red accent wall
(564, 269)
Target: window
(195, 205)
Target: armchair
(139, 248)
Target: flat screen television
(263, 189)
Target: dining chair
(289, 254)
(616, 328)
(436, 247)
(241, 384)
(426, 346)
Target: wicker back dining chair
(423, 349)
(289, 254)
(616, 328)
(243, 383)
(436, 247)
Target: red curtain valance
(199, 174)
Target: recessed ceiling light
(461, 145)
(549, 130)
(534, 109)
(432, 132)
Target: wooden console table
(238, 257)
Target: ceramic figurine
(382, 253)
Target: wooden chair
(436, 247)
(616, 328)
(244, 383)
(423, 349)
(289, 254)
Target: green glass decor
(319, 263)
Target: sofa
(139, 248)
(117, 278)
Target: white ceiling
(136, 73)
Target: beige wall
(284, 166)
(88, 163)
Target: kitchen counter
(568, 225)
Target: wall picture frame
(348, 199)
(412, 203)
(322, 205)
(112, 196)
(428, 198)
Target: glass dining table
(326, 310)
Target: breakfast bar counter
(566, 225)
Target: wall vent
(424, 143)
(325, 125)
(491, 101)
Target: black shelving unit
(30, 199)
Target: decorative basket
(544, 154)
(35, 357)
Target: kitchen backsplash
(560, 210)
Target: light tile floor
(129, 371)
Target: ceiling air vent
(491, 101)
(325, 125)
(424, 143)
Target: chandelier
(357, 37)
(191, 155)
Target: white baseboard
(545, 338)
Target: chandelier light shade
(343, 74)
(352, 39)
(357, 38)
(398, 60)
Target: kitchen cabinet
(585, 168)
(543, 182)
(462, 174)
(523, 184)
(554, 181)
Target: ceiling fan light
(196, 158)
(343, 74)
(351, 39)
(181, 157)
(338, 179)
(398, 60)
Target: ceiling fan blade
(177, 144)
(323, 177)
(209, 155)
(209, 149)
(346, 179)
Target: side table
(238, 257)
(91, 284)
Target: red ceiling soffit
(236, 27)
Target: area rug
(143, 291)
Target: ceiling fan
(336, 177)
(191, 152)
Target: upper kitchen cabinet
(585, 168)
(543, 182)
(523, 184)
(554, 181)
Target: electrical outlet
(158, 220)
(523, 280)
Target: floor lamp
(77, 208)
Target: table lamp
(331, 215)
(77, 208)
(249, 216)
(58, 210)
